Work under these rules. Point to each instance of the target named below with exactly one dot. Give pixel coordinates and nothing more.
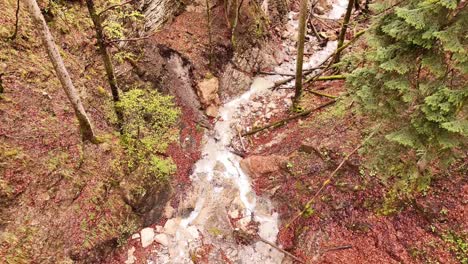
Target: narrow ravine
(221, 190)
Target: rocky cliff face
(158, 12)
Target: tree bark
(13, 36)
(344, 28)
(300, 51)
(96, 18)
(86, 127)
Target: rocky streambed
(222, 219)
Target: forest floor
(58, 200)
(54, 205)
(349, 211)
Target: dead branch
(322, 94)
(281, 250)
(131, 39)
(114, 6)
(286, 120)
(289, 74)
(276, 73)
(336, 248)
(316, 76)
(328, 180)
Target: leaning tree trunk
(342, 35)
(300, 51)
(86, 128)
(96, 18)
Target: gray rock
(147, 236)
(162, 239)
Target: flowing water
(221, 189)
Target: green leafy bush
(413, 80)
(148, 129)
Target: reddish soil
(346, 212)
(188, 35)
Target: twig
(284, 121)
(276, 73)
(281, 250)
(322, 94)
(131, 39)
(288, 74)
(241, 140)
(336, 248)
(328, 180)
(114, 6)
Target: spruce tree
(413, 79)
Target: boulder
(208, 95)
(162, 239)
(131, 258)
(171, 226)
(257, 166)
(147, 236)
(212, 110)
(169, 211)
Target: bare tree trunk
(96, 18)
(86, 128)
(300, 51)
(210, 37)
(342, 35)
(13, 36)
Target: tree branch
(114, 6)
(284, 121)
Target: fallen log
(284, 121)
(322, 94)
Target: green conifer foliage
(413, 80)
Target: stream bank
(221, 199)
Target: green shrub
(148, 129)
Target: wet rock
(219, 167)
(157, 12)
(256, 105)
(147, 236)
(169, 211)
(130, 257)
(162, 239)
(159, 229)
(257, 166)
(212, 111)
(208, 94)
(193, 231)
(171, 226)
